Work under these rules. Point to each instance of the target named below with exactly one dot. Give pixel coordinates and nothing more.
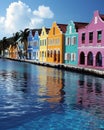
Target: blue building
(33, 44)
(30, 46)
(36, 46)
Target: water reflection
(51, 85)
(55, 86)
(91, 94)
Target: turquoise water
(41, 98)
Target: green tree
(16, 36)
(5, 44)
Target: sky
(16, 15)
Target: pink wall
(97, 24)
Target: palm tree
(23, 38)
(16, 36)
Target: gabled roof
(79, 25)
(62, 27)
(34, 30)
(47, 30)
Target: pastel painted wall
(91, 43)
(71, 45)
(43, 45)
(33, 46)
(13, 51)
(55, 48)
(36, 46)
(30, 46)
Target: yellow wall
(55, 44)
(43, 46)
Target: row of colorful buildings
(76, 43)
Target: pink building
(91, 43)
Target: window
(53, 30)
(90, 37)
(83, 37)
(72, 56)
(67, 56)
(99, 36)
(73, 40)
(68, 41)
(48, 53)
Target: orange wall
(55, 44)
(13, 52)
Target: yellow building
(43, 45)
(55, 48)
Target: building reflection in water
(91, 94)
(51, 85)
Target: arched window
(58, 56)
(90, 58)
(48, 53)
(54, 55)
(82, 58)
(99, 59)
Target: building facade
(33, 45)
(13, 51)
(43, 45)
(71, 42)
(30, 40)
(36, 46)
(71, 45)
(91, 43)
(55, 47)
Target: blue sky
(16, 15)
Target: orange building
(13, 51)
(55, 47)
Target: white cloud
(43, 12)
(19, 16)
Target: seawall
(78, 69)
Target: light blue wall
(33, 46)
(71, 32)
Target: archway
(82, 58)
(99, 59)
(90, 58)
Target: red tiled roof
(47, 30)
(62, 27)
(79, 25)
(34, 30)
(102, 16)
